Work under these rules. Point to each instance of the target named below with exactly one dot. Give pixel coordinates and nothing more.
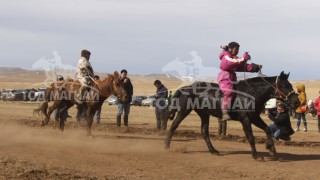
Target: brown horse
(64, 95)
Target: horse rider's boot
(225, 116)
(82, 95)
(118, 120)
(125, 120)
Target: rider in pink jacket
(230, 64)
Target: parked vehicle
(149, 101)
(40, 94)
(16, 95)
(29, 94)
(112, 100)
(137, 100)
(6, 94)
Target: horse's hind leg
(90, 114)
(50, 110)
(269, 144)
(180, 116)
(205, 131)
(63, 115)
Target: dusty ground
(28, 151)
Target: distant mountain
(11, 69)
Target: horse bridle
(277, 90)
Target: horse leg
(269, 144)
(90, 114)
(222, 128)
(50, 110)
(246, 125)
(205, 131)
(180, 116)
(62, 116)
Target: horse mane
(256, 80)
(104, 84)
(107, 77)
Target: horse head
(285, 91)
(118, 87)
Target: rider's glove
(246, 56)
(255, 67)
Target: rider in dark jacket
(282, 127)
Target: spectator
(98, 112)
(57, 110)
(301, 113)
(125, 106)
(317, 107)
(281, 123)
(161, 96)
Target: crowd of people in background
(280, 117)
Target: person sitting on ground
(281, 121)
(229, 65)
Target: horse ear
(282, 75)
(116, 75)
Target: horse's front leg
(269, 144)
(246, 125)
(90, 115)
(180, 117)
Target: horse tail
(43, 108)
(172, 112)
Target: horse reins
(93, 80)
(275, 87)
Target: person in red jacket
(317, 107)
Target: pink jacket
(317, 105)
(231, 64)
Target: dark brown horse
(64, 95)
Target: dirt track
(28, 151)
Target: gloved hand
(255, 67)
(246, 56)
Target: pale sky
(144, 35)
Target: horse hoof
(260, 159)
(273, 153)
(215, 152)
(43, 124)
